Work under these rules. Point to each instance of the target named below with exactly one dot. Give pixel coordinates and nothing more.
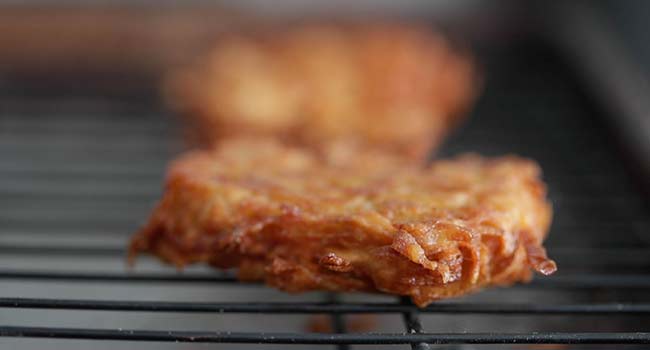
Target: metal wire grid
(42, 151)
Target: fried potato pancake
(394, 87)
(302, 221)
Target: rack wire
(71, 181)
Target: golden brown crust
(394, 87)
(299, 221)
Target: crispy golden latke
(394, 87)
(301, 222)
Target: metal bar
(118, 168)
(412, 324)
(17, 167)
(327, 307)
(82, 188)
(71, 232)
(125, 227)
(48, 140)
(119, 277)
(324, 338)
(552, 282)
(65, 251)
(105, 131)
(592, 281)
(618, 259)
(338, 321)
(77, 108)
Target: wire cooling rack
(77, 175)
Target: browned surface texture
(394, 87)
(299, 222)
